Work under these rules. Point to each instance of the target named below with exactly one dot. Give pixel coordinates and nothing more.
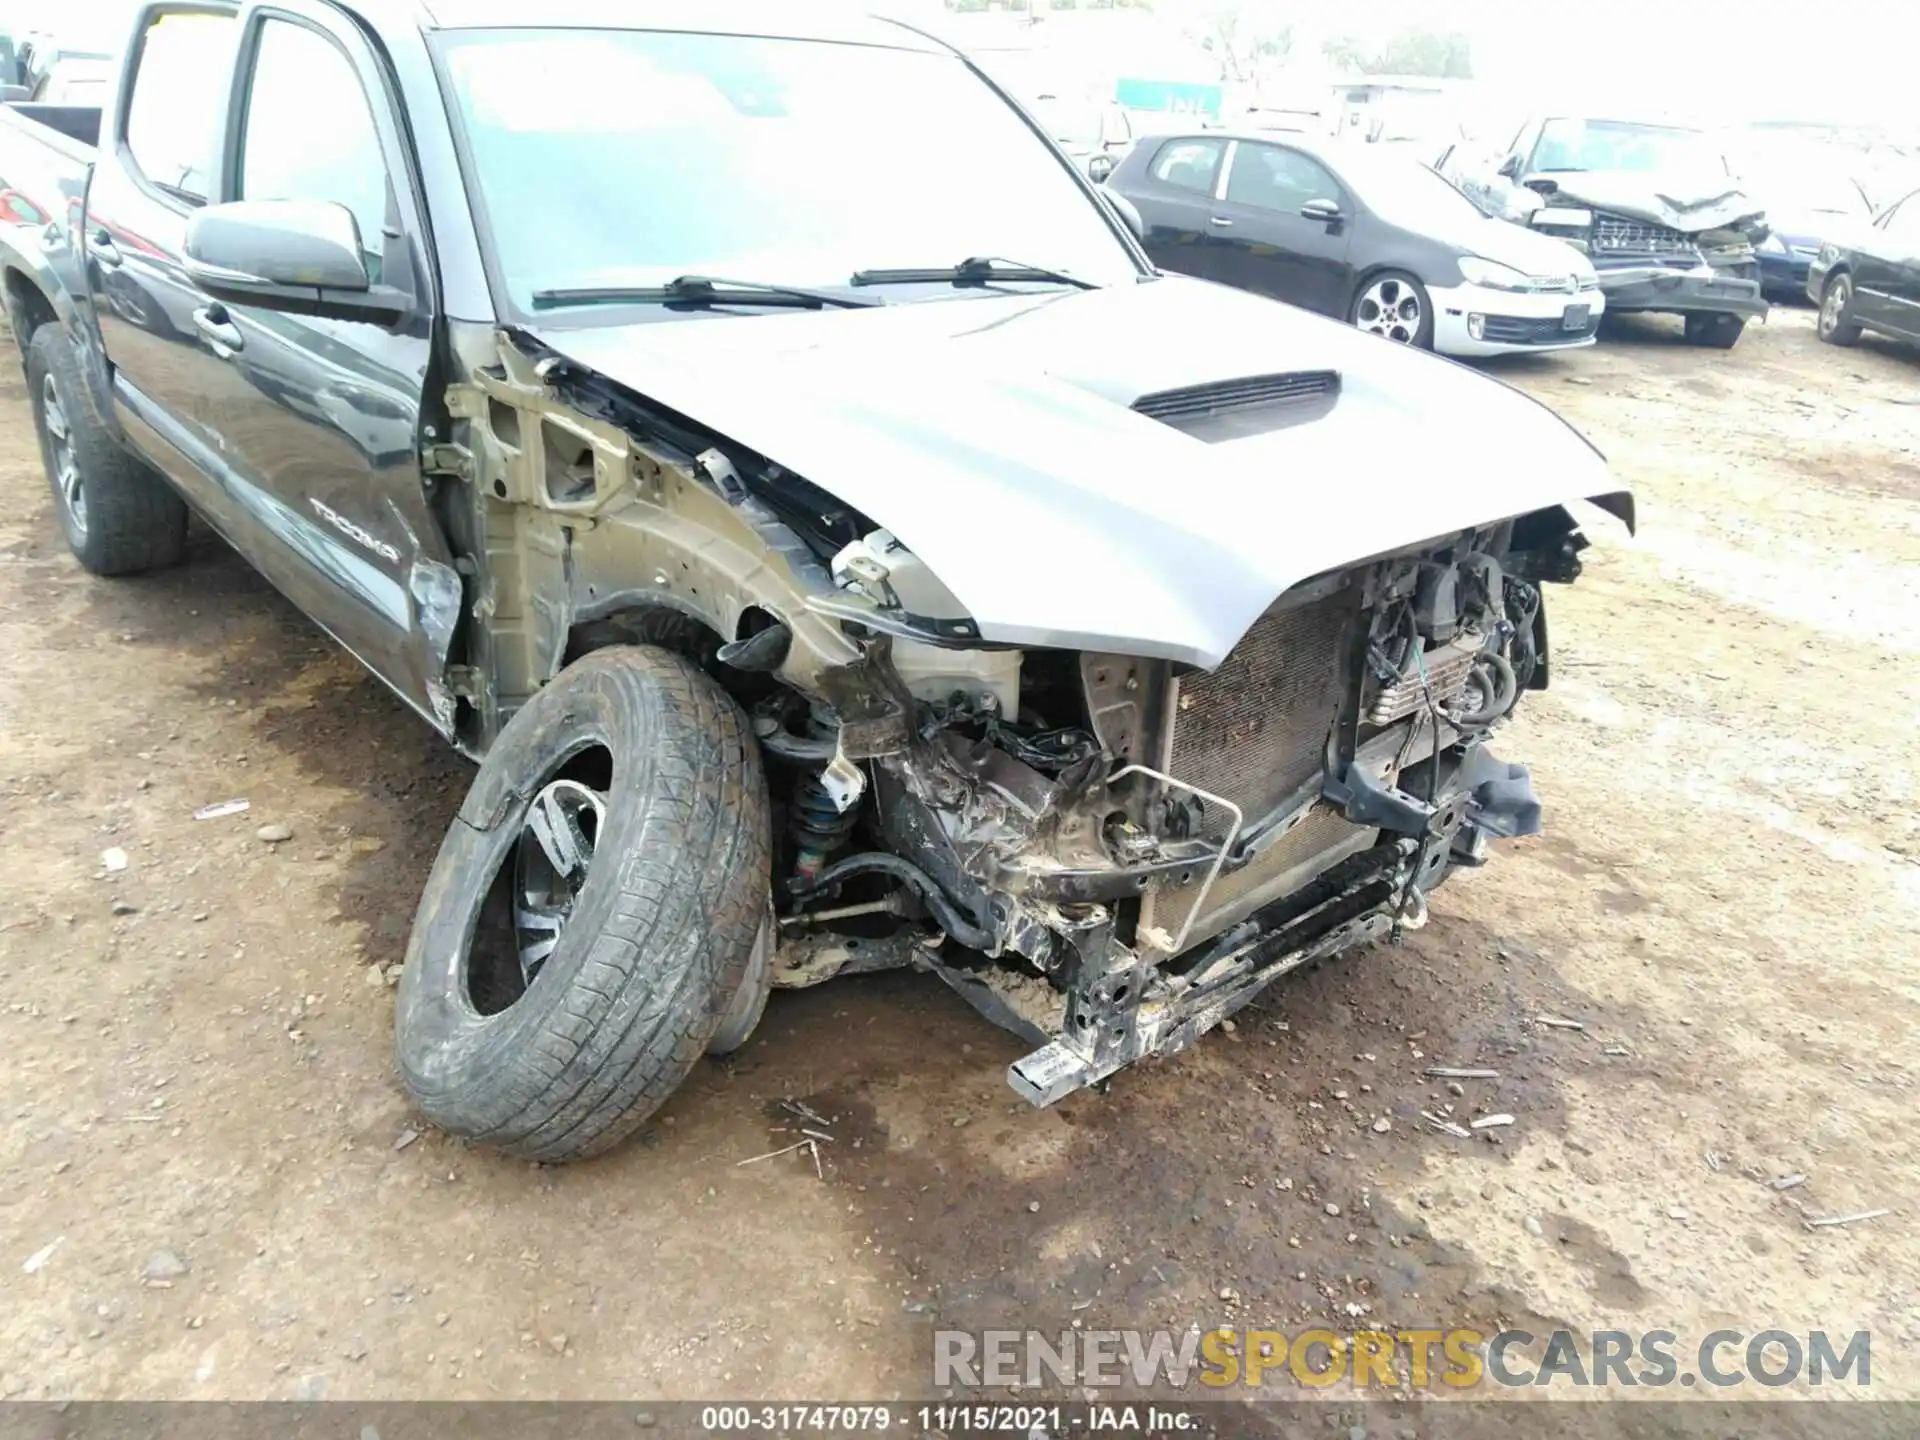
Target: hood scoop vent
(1240, 409)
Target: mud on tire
(655, 943)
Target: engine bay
(1045, 821)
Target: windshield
(1401, 190)
(629, 158)
(1578, 145)
(1810, 193)
(1077, 126)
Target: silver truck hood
(1689, 206)
(992, 435)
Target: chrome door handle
(218, 330)
(1220, 222)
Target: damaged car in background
(1654, 207)
(825, 578)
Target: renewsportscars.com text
(1443, 1360)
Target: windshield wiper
(977, 270)
(702, 291)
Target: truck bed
(78, 123)
(46, 157)
(71, 130)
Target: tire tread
(135, 521)
(656, 981)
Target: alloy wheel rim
(1391, 310)
(552, 859)
(1836, 302)
(66, 470)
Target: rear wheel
(1837, 325)
(120, 518)
(593, 914)
(1394, 306)
(1717, 332)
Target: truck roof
(845, 23)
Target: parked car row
(1805, 209)
(38, 68)
(1360, 234)
(1581, 216)
(1654, 206)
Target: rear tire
(1836, 324)
(548, 1009)
(120, 518)
(1716, 332)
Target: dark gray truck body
(274, 442)
(1091, 596)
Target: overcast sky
(1852, 60)
(1841, 59)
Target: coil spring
(819, 827)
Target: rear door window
(1189, 164)
(173, 113)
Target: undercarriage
(1110, 857)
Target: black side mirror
(300, 257)
(1099, 168)
(1326, 211)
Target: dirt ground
(210, 1185)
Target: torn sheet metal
(436, 592)
(1659, 200)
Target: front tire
(1716, 332)
(1837, 325)
(1394, 305)
(591, 917)
(120, 518)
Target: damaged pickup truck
(835, 562)
(1656, 210)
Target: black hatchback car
(1359, 233)
(1871, 280)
